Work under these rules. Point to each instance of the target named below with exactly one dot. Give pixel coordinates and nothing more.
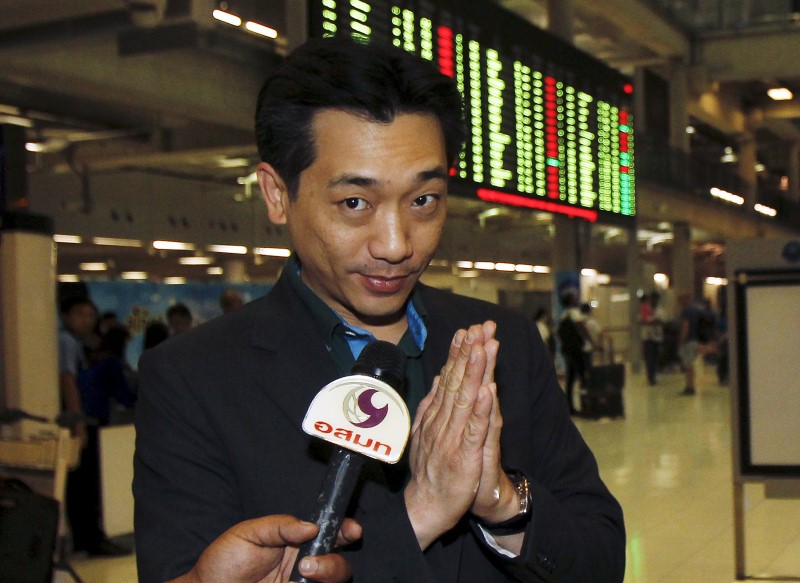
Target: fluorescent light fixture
(173, 246)
(115, 242)
(16, 121)
(174, 280)
(586, 272)
(780, 94)
(504, 266)
(716, 281)
(68, 278)
(465, 264)
(765, 210)
(139, 275)
(660, 278)
(232, 249)
(523, 268)
(485, 265)
(93, 266)
(35, 146)
(199, 260)
(257, 28)
(726, 196)
(272, 251)
(620, 297)
(232, 162)
(603, 279)
(216, 270)
(67, 239)
(759, 167)
(227, 17)
(541, 269)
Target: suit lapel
(292, 361)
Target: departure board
(548, 126)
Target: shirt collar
(329, 322)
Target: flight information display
(548, 126)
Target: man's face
(369, 211)
(81, 319)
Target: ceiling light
(523, 268)
(716, 281)
(728, 157)
(227, 17)
(232, 162)
(257, 28)
(115, 242)
(660, 278)
(726, 196)
(780, 94)
(765, 210)
(589, 272)
(232, 249)
(272, 251)
(485, 265)
(214, 270)
(691, 130)
(759, 167)
(16, 121)
(465, 264)
(603, 279)
(504, 266)
(138, 275)
(199, 260)
(174, 280)
(93, 266)
(173, 246)
(67, 239)
(541, 269)
(68, 278)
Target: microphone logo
(359, 409)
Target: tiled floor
(669, 463)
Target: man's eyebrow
(348, 179)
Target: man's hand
(264, 549)
(448, 437)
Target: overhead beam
(748, 56)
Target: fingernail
(470, 336)
(308, 565)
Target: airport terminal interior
(626, 147)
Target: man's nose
(390, 240)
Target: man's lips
(382, 284)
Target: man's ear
(276, 196)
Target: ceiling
(103, 92)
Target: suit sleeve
(183, 490)
(576, 533)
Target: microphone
(364, 416)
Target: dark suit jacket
(219, 441)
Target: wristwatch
(518, 522)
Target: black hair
(179, 310)
(115, 340)
(586, 308)
(375, 81)
(154, 334)
(69, 303)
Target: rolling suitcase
(602, 394)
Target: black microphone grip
(337, 490)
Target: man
(79, 316)
(575, 342)
(498, 485)
(652, 321)
(230, 300)
(688, 340)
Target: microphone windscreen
(382, 360)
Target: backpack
(569, 336)
(705, 328)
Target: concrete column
(235, 271)
(635, 283)
(793, 171)
(682, 260)
(678, 110)
(28, 321)
(560, 16)
(747, 169)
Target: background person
(179, 319)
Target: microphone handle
(337, 490)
